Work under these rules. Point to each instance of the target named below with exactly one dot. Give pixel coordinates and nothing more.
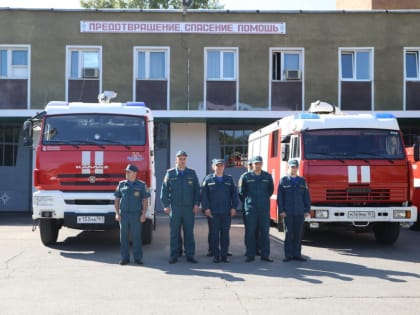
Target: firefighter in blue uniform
(219, 201)
(180, 196)
(255, 188)
(131, 200)
(293, 202)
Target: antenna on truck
(106, 96)
(320, 107)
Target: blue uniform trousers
(209, 222)
(257, 223)
(219, 234)
(182, 217)
(293, 230)
(130, 223)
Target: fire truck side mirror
(27, 133)
(416, 152)
(284, 151)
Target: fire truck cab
(355, 166)
(81, 151)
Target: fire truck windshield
(352, 144)
(94, 129)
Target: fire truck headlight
(402, 214)
(321, 214)
(43, 201)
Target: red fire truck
(81, 151)
(356, 167)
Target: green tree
(148, 4)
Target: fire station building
(210, 77)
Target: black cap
(257, 159)
(181, 153)
(131, 168)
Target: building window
(14, 62)
(286, 65)
(9, 138)
(356, 65)
(151, 76)
(14, 76)
(84, 63)
(412, 65)
(286, 79)
(221, 64)
(412, 78)
(83, 75)
(152, 65)
(234, 146)
(356, 78)
(221, 87)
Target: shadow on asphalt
(16, 219)
(103, 247)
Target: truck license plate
(90, 219)
(361, 214)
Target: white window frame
(283, 52)
(371, 50)
(355, 50)
(222, 50)
(235, 50)
(405, 51)
(69, 49)
(10, 48)
(301, 52)
(148, 49)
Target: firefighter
(257, 238)
(255, 188)
(180, 196)
(219, 200)
(131, 200)
(293, 204)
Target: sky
(229, 4)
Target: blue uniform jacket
(180, 191)
(131, 195)
(294, 198)
(219, 197)
(256, 191)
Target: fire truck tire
(48, 229)
(146, 232)
(386, 232)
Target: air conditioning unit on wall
(90, 72)
(293, 75)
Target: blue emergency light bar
(140, 104)
(306, 116)
(383, 115)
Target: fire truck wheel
(146, 232)
(48, 229)
(386, 232)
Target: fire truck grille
(358, 194)
(90, 180)
(89, 184)
(89, 202)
